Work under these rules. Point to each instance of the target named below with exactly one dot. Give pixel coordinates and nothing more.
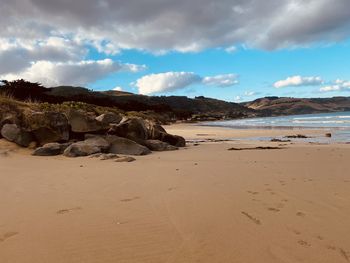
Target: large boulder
(13, 133)
(156, 145)
(48, 126)
(83, 122)
(90, 146)
(108, 118)
(119, 145)
(51, 149)
(157, 132)
(131, 128)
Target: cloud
(250, 93)
(296, 81)
(171, 81)
(118, 88)
(72, 73)
(184, 26)
(338, 85)
(225, 80)
(231, 49)
(164, 82)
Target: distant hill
(174, 107)
(274, 106)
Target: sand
(200, 204)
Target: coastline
(199, 204)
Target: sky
(235, 50)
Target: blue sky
(233, 50)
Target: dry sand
(200, 204)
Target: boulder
(131, 128)
(48, 126)
(82, 122)
(89, 146)
(119, 145)
(13, 133)
(157, 132)
(51, 149)
(174, 140)
(108, 118)
(156, 145)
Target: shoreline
(203, 203)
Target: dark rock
(156, 145)
(298, 136)
(119, 145)
(279, 140)
(48, 126)
(108, 118)
(174, 140)
(82, 122)
(89, 146)
(13, 133)
(329, 135)
(51, 149)
(131, 128)
(127, 159)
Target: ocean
(338, 122)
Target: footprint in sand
(341, 251)
(130, 199)
(301, 214)
(64, 211)
(172, 188)
(7, 235)
(255, 220)
(252, 192)
(272, 209)
(304, 243)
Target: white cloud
(118, 88)
(171, 81)
(296, 81)
(224, 80)
(338, 85)
(231, 49)
(68, 73)
(237, 99)
(249, 93)
(164, 82)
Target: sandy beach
(199, 204)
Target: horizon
(229, 50)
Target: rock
(89, 146)
(51, 149)
(105, 156)
(328, 135)
(174, 140)
(119, 145)
(48, 126)
(13, 133)
(298, 136)
(157, 132)
(82, 122)
(156, 145)
(131, 128)
(127, 159)
(108, 118)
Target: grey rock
(131, 128)
(108, 118)
(89, 146)
(127, 159)
(119, 145)
(156, 145)
(51, 149)
(13, 133)
(83, 122)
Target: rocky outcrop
(108, 118)
(48, 126)
(131, 128)
(156, 145)
(87, 147)
(119, 145)
(84, 122)
(13, 133)
(51, 149)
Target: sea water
(337, 122)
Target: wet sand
(200, 204)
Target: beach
(202, 203)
